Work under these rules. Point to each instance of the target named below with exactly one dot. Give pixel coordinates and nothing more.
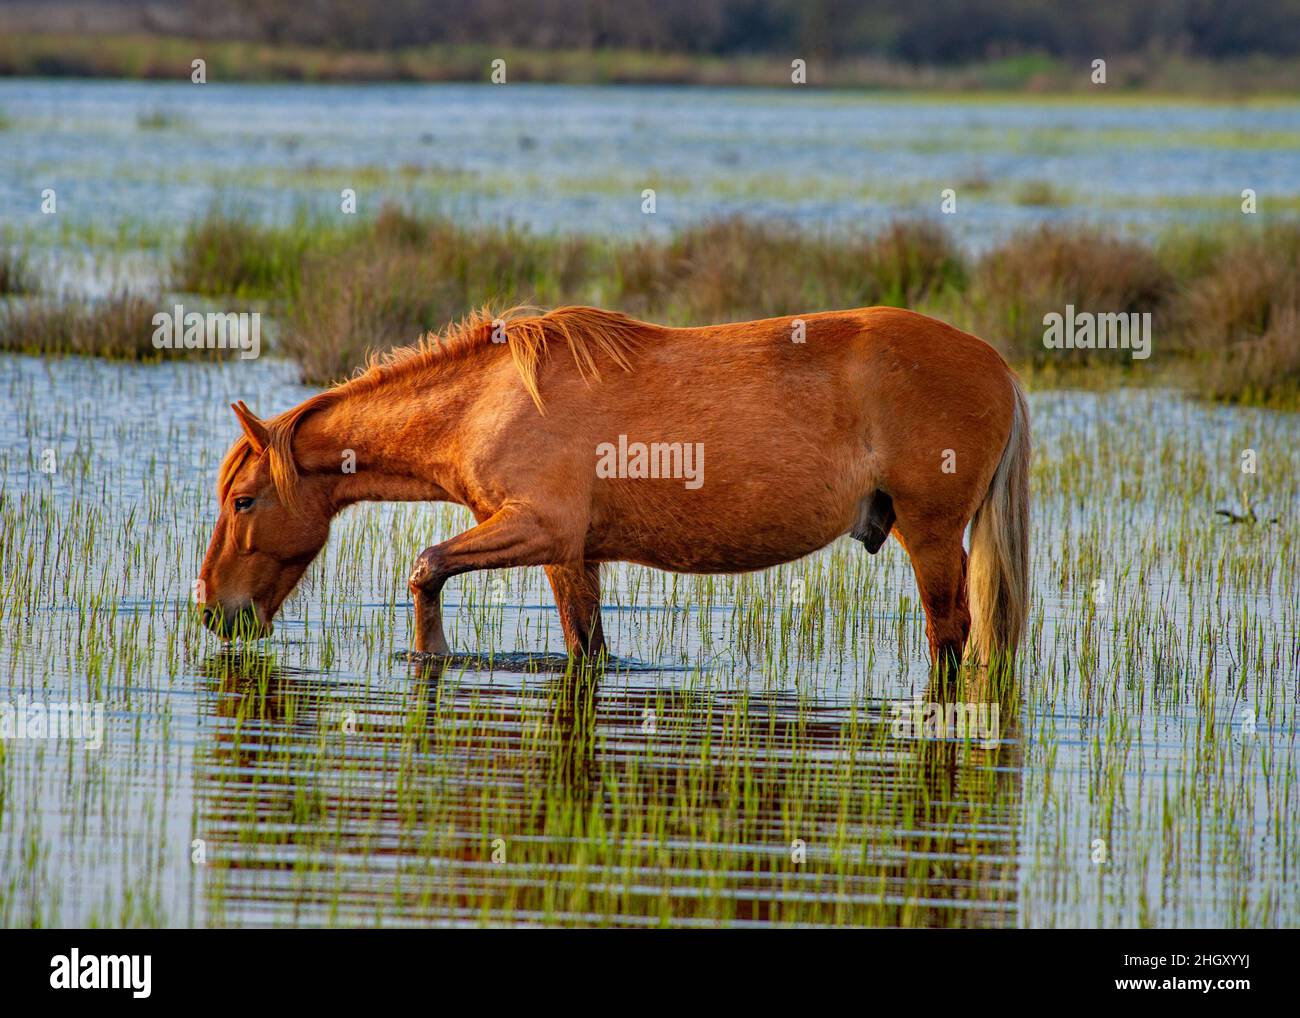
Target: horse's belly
(732, 540)
(717, 558)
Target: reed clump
(230, 254)
(1043, 270)
(403, 276)
(1241, 318)
(734, 269)
(119, 326)
(16, 275)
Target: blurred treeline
(929, 32)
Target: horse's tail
(998, 571)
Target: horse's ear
(253, 428)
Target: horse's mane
(588, 333)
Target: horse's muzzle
(242, 622)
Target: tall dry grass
(736, 269)
(402, 276)
(1042, 270)
(1241, 318)
(119, 326)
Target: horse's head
(272, 524)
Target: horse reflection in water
(480, 796)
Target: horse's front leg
(429, 634)
(577, 596)
(515, 536)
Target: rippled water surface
(131, 159)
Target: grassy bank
(149, 56)
(1225, 307)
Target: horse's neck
(364, 444)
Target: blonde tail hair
(998, 571)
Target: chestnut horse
(582, 436)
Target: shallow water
(133, 162)
(740, 764)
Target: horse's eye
(242, 505)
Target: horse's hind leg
(940, 567)
(577, 595)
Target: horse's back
(797, 420)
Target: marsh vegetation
(742, 761)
